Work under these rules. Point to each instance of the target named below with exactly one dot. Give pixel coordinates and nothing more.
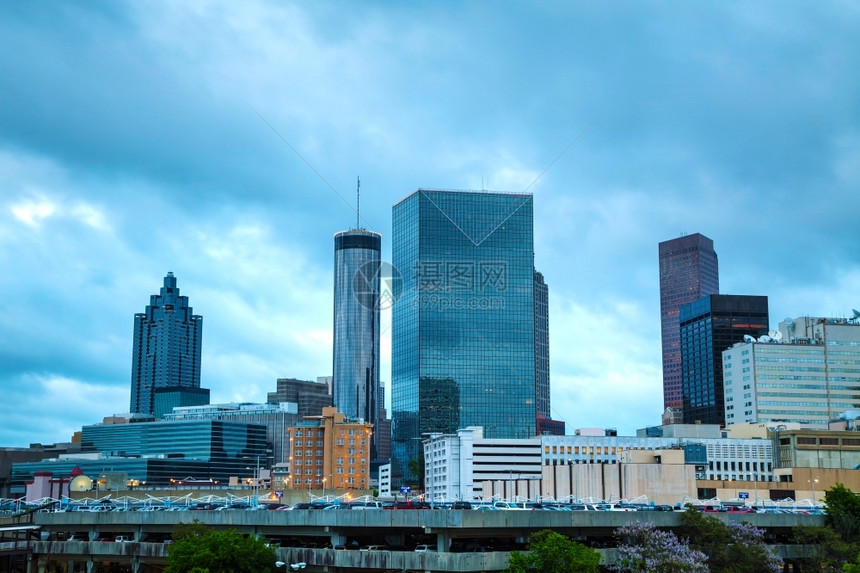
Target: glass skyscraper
(166, 348)
(357, 302)
(463, 331)
(689, 270)
(707, 327)
(542, 397)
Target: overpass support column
(443, 541)
(337, 539)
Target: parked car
(461, 505)
(424, 548)
(375, 548)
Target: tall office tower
(357, 267)
(708, 326)
(542, 401)
(167, 349)
(463, 348)
(688, 271)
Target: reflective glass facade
(689, 270)
(709, 326)
(166, 348)
(463, 330)
(155, 452)
(355, 370)
(542, 397)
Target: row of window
(307, 433)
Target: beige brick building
(329, 452)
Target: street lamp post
(813, 482)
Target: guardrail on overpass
(298, 530)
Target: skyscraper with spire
(166, 350)
(355, 368)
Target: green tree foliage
(730, 547)
(843, 512)
(852, 567)
(198, 549)
(416, 467)
(824, 550)
(551, 552)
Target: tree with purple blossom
(730, 547)
(645, 549)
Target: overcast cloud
(222, 141)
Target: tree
(824, 550)
(198, 549)
(852, 567)
(843, 512)
(416, 468)
(730, 547)
(551, 552)
(645, 549)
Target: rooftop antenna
(358, 203)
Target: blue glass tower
(355, 372)
(463, 331)
(167, 347)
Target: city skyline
(132, 144)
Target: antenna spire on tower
(358, 203)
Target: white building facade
(465, 466)
(809, 373)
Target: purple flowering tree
(645, 549)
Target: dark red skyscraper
(688, 271)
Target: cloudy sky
(222, 141)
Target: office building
(542, 397)
(309, 397)
(330, 451)
(357, 302)
(466, 465)
(157, 452)
(689, 270)
(708, 326)
(807, 372)
(277, 418)
(463, 331)
(166, 348)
